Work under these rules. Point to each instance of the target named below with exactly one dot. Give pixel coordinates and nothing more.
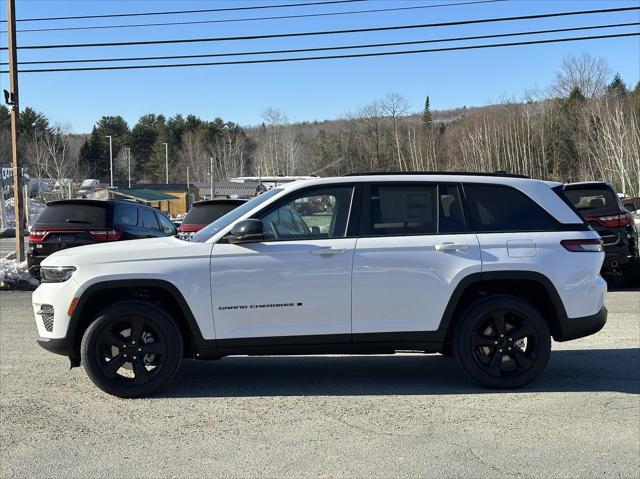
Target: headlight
(56, 274)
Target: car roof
(100, 202)
(494, 179)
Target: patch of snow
(14, 275)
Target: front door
(294, 284)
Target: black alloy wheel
(503, 342)
(131, 349)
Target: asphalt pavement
(405, 415)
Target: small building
(228, 189)
(174, 198)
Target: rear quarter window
(126, 216)
(498, 208)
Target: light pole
(129, 163)
(166, 162)
(211, 176)
(110, 159)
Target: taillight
(37, 236)
(611, 221)
(583, 245)
(106, 235)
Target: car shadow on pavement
(586, 370)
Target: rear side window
(396, 210)
(127, 216)
(593, 201)
(207, 213)
(75, 215)
(149, 220)
(496, 208)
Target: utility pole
(15, 111)
(188, 191)
(129, 163)
(211, 177)
(110, 159)
(166, 162)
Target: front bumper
(574, 328)
(60, 346)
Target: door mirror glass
(630, 207)
(246, 231)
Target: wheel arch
(157, 291)
(529, 285)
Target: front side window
(400, 210)
(319, 213)
(496, 208)
(165, 225)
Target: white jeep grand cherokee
(486, 268)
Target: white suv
(486, 268)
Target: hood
(127, 251)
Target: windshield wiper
(69, 220)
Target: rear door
(412, 252)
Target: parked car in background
(601, 208)
(204, 212)
(88, 186)
(69, 223)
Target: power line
(341, 47)
(233, 20)
(329, 32)
(182, 12)
(331, 57)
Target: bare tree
(590, 74)
(396, 106)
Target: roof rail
(454, 173)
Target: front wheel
(502, 342)
(132, 349)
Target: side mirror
(246, 231)
(630, 207)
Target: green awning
(142, 194)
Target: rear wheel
(131, 349)
(632, 274)
(502, 342)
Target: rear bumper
(574, 328)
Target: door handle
(328, 251)
(451, 247)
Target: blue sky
(304, 91)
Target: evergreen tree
(94, 154)
(427, 121)
(617, 88)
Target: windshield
(208, 231)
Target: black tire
(142, 340)
(502, 342)
(632, 275)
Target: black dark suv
(601, 208)
(69, 223)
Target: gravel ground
(391, 416)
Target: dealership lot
(403, 415)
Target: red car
(204, 212)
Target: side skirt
(377, 343)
